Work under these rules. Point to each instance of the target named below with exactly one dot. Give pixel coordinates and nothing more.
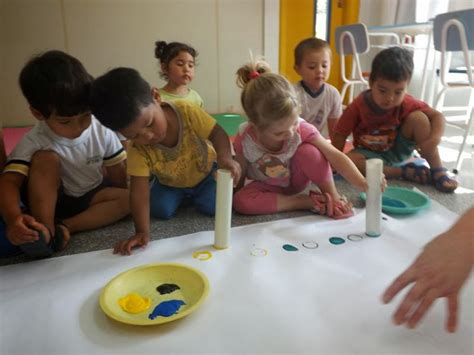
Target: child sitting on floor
(177, 62)
(172, 154)
(389, 124)
(321, 103)
(56, 168)
(282, 153)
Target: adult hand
(439, 271)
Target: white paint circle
(310, 245)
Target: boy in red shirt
(389, 124)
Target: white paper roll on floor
(373, 207)
(223, 209)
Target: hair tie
(254, 74)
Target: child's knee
(44, 170)
(242, 204)
(45, 159)
(162, 210)
(415, 122)
(309, 153)
(207, 208)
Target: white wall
(104, 34)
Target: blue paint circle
(289, 247)
(336, 240)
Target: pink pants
(307, 165)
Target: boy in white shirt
(56, 169)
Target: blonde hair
(266, 97)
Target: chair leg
(343, 91)
(439, 101)
(463, 144)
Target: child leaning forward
(173, 153)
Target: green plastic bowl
(230, 122)
(398, 200)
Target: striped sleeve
(17, 166)
(115, 158)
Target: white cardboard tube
(373, 207)
(223, 209)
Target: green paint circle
(289, 247)
(336, 240)
(372, 234)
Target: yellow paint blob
(134, 303)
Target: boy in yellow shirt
(173, 152)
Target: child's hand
(364, 186)
(25, 230)
(439, 271)
(234, 168)
(125, 247)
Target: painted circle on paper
(336, 240)
(289, 247)
(355, 237)
(310, 245)
(258, 252)
(202, 255)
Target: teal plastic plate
(398, 200)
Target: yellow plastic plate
(193, 290)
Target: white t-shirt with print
(317, 110)
(81, 158)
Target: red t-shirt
(373, 128)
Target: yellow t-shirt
(187, 163)
(191, 96)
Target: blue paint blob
(166, 309)
(336, 240)
(391, 202)
(289, 247)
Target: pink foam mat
(12, 135)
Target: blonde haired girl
(274, 128)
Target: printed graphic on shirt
(379, 140)
(274, 169)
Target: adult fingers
(422, 308)
(416, 293)
(398, 284)
(452, 321)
